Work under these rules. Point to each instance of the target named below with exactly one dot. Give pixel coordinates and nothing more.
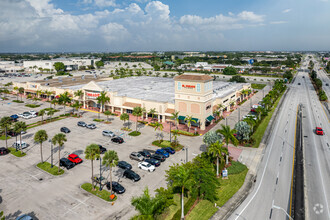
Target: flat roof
(67, 81)
(158, 89)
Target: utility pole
(100, 175)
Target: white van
(18, 145)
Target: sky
(164, 25)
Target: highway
(322, 75)
(270, 197)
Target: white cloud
(278, 22)
(113, 32)
(250, 16)
(158, 10)
(105, 3)
(286, 10)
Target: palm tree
(180, 176)
(54, 102)
(18, 128)
(107, 113)
(21, 91)
(137, 111)
(76, 106)
(152, 112)
(92, 152)
(146, 205)
(102, 99)
(39, 137)
(38, 92)
(228, 134)
(110, 159)
(124, 117)
(220, 108)
(5, 123)
(175, 117)
(159, 126)
(250, 122)
(48, 94)
(51, 113)
(175, 134)
(190, 119)
(216, 150)
(232, 104)
(16, 89)
(42, 113)
(79, 94)
(59, 139)
(258, 111)
(144, 111)
(64, 99)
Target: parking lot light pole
(100, 175)
(51, 153)
(280, 208)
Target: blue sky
(164, 25)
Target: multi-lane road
(271, 196)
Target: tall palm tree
(152, 112)
(175, 117)
(220, 108)
(144, 111)
(59, 139)
(79, 94)
(190, 119)
(102, 99)
(51, 113)
(124, 117)
(159, 126)
(180, 176)
(110, 159)
(216, 150)
(18, 128)
(137, 111)
(92, 152)
(146, 205)
(175, 134)
(42, 113)
(40, 137)
(54, 102)
(21, 91)
(107, 113)
(16, 89)
(76, 105)
(5, 123)
(258, 111)
(64, 99)
(48, 94)
(228, 134)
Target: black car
(145, 153)
(65, 130)
(116, 187)
(14, 134)
(102, 149)
(159, 157)
(3, 151)
(154, 162)
(81, 123)
(118, 140)
(124, 165)
(65, 162)
(130, 174)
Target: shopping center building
(195, 95)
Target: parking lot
(26, 189)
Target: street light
(100, 175)
(280, 208)
(51, 153)
(170, 122)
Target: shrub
(126, 129)
(134, 133)
(236, 168)
(143, 122)
(164, 144)
(52, 170)
(32, 105)
(187, 133)
(98, 120)
(18, 101)
(104, 194)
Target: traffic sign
(224, 173)
(251, 61)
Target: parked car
(74, 158)
(24, 217)
(81, 124)
(108, 133)
(169, 150)
(91, 126)
(65, 130)
(32, 112)
(162, 152)
(146, 166)
(130, 174)
(3, 151)
(152, 161)
(18, 145)
(20, 115)
(124, 165)
(145, 153)
(102, 149)
(299, 84)
(159, 157)
(14, 134)
(136, 156)
(14, 116)
(319, 131)
(65, 162)
(116, 187)
(27, 116)
(118, 140)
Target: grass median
(104, 194)
(16, 153)
(3, 137)
(52, 170)
(259, 133)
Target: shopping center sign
(188, 86)
(92, 94)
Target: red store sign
(92, 94)
(188, 86)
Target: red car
(319, 131)
(75, 159)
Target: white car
(91, 126)
(27, 116)
(146, 166)
(32, 112)
(108, 133)
(20, 115)
(18, 144)
(250, 116)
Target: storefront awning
(195, 120)
(182, 118)
(210, 118)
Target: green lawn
(16, 153)
(104, 194)
(3, 137)
(257, 86)
(134, 133)
(32, 105)
(228, 187)
(47, 167)
(18, 101)
(259, 133)
(164, 144)
(170, 211)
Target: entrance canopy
(182, 118)
(210, 118)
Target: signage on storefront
(92, 95)
(188, 86)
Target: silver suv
(108, 133)
(136, 156)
